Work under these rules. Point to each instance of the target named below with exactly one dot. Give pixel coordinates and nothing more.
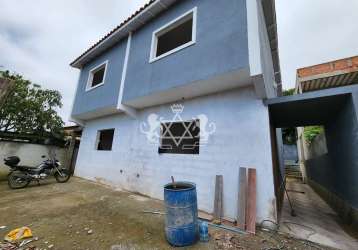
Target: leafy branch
(30, 109)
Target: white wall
(30, 154)
(242, 139)
(317, 148)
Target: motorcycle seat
(26, 167)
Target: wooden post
(241, 213)
(251, 202)
(218, 202)
(71, 148)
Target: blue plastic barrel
(181, 228)
(204, 231)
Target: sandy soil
(85, 215)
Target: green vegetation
(311, 133)
(29, 109)
(288, 92)
(289, 134)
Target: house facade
(177, 90)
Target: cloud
(315, 31)
(39, 39)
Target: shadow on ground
(3, 174)
(85, 215)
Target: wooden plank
(241, 213)
(205, 216)
(218, 202)
(251, 202)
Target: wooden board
(205, 216)
(241, 206)
(251, 202)
(218, 202)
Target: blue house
(177, 90)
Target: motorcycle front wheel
(17, 180)
(64, 176)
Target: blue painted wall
(290, 152)
(221, 46)
(105, 96)
(337, 171)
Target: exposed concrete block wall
(242, 139)
(30, 154)
(347, 65)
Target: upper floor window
(174, 36)
(97, 76)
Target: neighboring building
(205, 62)
(333, 74)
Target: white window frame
(169, 26)
(91, 73)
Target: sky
(39, 39)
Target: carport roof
(313, 108)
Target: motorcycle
(21, 176)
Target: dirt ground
(86, 215)
(3, 173)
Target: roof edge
(129, 25)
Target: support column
(71, 148)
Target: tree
(288, 92)
(30, 109)
(289, 134)
(311, 132)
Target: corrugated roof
(337, 73)
(330, 82)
